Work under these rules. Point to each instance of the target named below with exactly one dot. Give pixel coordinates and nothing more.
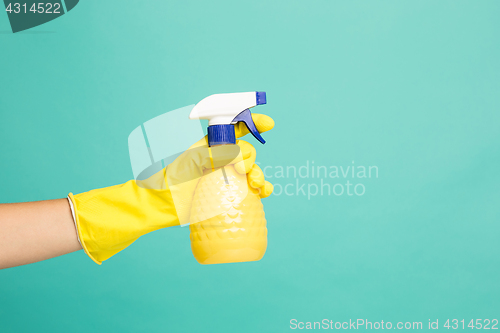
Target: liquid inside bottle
(236, 235)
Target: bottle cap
(221, 135)
(225, 110)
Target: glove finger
(256, 177)
(262, 122)
(266, 190)
(248, 154)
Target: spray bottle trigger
(246, 117)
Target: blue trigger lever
(246, 117)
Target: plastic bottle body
(239, 234)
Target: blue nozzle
(261, 97)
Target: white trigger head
(221, 109)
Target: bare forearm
(34, 231)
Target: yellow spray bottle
(227, 216)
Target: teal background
(409, 86)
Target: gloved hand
(110, 219)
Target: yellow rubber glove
(110, 219)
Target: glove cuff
(78, 229)
(110, 219)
